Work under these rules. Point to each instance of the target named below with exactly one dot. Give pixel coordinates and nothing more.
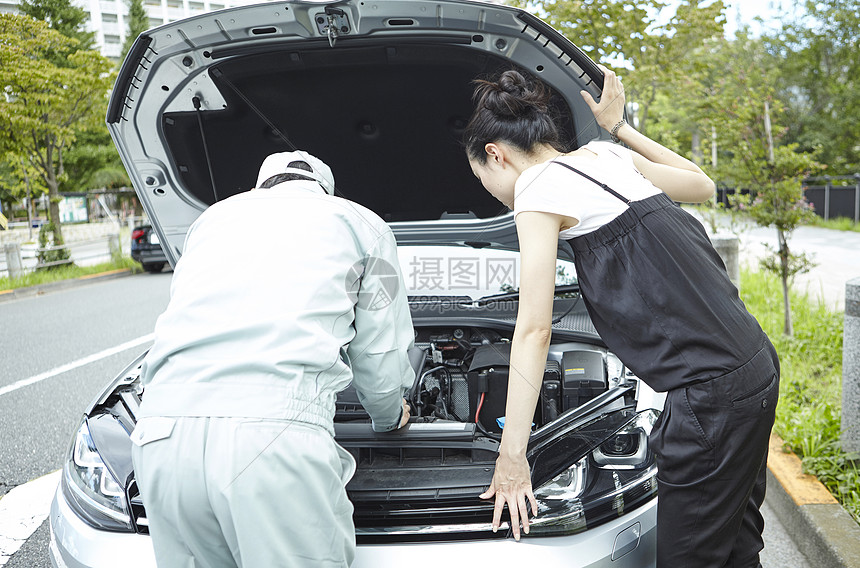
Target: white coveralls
(273, 310)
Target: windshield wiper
(559, 289)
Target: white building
(8, 6)
(109, 18)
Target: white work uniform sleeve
(383, 335)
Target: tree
(19, 180)
(601, 28)
(93, 162)
(11, 187)
(742, 108)
(662, 59)
(781, 204)
(685, 81)
(654, 57)
(138, 22)
(62, 16)
(46, 106)
(820, 81)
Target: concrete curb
(38, 290)
(825, 533)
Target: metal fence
(830, 196)
(837, 196)
(724, 191)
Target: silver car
(381, 91)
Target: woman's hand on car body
(610, 110)
(512, 484)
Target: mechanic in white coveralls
(283, 295)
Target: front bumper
(627, 542)
(75, 544)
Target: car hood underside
(201, 102)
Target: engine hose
(419, 380)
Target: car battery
(583, 377)
(489, 373)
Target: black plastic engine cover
(583, 377)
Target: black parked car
(146, 249)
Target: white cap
(278, 163)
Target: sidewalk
(836, 255)
(823, 531)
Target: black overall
(660, 297)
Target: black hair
(514, 108)
(281, 178)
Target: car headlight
(91, 489)
(617, 475)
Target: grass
(838, 224)
(716, 217)
(65, 273)
(809, 410)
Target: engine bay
(462, 374)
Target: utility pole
(714, 147)
(696, 147)
(767, 130)
(29, 200)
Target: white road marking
(22, 510)
(75, 364)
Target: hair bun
(512, 95)
(514, 108)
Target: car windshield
(448, 270)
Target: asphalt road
(43, 333)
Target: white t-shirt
(552, 188)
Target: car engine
(462, 374)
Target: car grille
(416, 494)
(138, 513)
(407, 495)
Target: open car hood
(380, 90)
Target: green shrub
(52, 258)
(808, 416)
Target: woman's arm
(538, 237)
(660, 166)
(678, 177)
